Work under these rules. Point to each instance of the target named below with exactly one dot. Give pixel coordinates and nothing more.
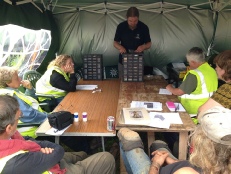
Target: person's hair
(8, 109)
(223, 60)
(196, 54)
(211, 157)
(59, 61)
(6, 75)
(132, 12)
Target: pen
(56, 130)
(177, 107)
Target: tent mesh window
(133, 67)
(93, 67)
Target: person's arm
(157, 161)
(119, 47)
(187, 87)
(174, 91)
(36, 162)
(143, 47)
(58, 81)
(207, 105)
(117, 39)
(30, 114)
(30, 91)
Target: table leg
(183, 145)
(151, 138)
(103, 147)
(57, 139)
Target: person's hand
(169, 87)
(69, 69)
(26, 84)
(169, 160)
(140, 49)
(46, 150)
(159, 157)
(122, 49)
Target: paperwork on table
(164, 91)
(175, 107)
(150, 106)
(164, 120)
(86, 87)
(56, 132)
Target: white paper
(53, 131)
(86, 87)
(159, 121)
(172, 118)
(164, 91)
(150, 106)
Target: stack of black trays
(133, 67)
(92, 67)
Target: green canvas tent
(88, 26)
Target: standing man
(131, 36)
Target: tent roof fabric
(111, 6)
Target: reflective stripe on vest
(205, 93)
(43, 85)
(4, 160)
(27, 99)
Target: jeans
(136, 161)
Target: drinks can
(110, 123)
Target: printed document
(164, 120)
(150, 106)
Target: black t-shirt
(131, 39)
(57, 80)
(172, 168)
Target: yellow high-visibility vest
(207, 83)
(43, 85)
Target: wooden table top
(149, 91)
(98, 105)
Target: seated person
(18, 155)
(57, 80)
(211, 152)
(31, 111)
(222, 97)
(198, 84)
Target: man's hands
(46, 150)
(26, 84)
(140, 49)
(162, 157)
(159, 157)
(122, 49)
